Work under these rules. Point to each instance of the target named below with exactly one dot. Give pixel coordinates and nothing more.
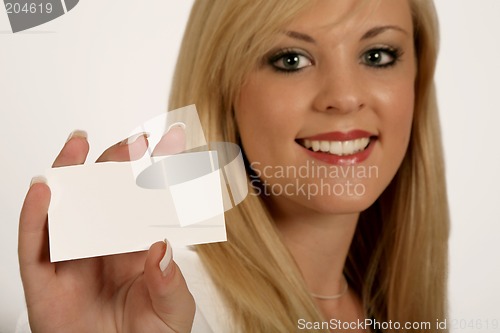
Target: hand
(119, 293)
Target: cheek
(402, 115)
(267, 112)
(253, 112)
(396, 117)
(392, 104)
(395, 108)
(251, 109)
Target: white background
(106, 67)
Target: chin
(342, 204)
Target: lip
(342, 136)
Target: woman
(341, 87)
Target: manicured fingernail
(165, 266)
(77, 134)
(173, 141)
(134, 138)
(177, 124)
(38, 179)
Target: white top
(212, 316)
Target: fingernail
(38, 179)
(165, 266)
(173, 141)
(134, 138)
(177, 124)
(77, 134)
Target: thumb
(170, 297)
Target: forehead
(349, 16)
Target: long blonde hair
(398, 257)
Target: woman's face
(325, 118)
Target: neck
(320, 244)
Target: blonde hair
(398, 257)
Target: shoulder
(212, 315)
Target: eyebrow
(373, 32)
(300, 36)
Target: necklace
(332, 297)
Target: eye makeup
(381, 56)
(289, 60)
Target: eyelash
(394, 53)
(281, 54)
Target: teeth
(340, 148)
(336, 147)
(315, 145)
(347, 146)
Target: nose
(339, 90)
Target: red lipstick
(341, 136)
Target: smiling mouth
(338, 148)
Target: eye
(290, 61)
(380, 57)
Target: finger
(172, 142)
(130, 149)
(167, 288)
(75, 150)
(33, 246)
